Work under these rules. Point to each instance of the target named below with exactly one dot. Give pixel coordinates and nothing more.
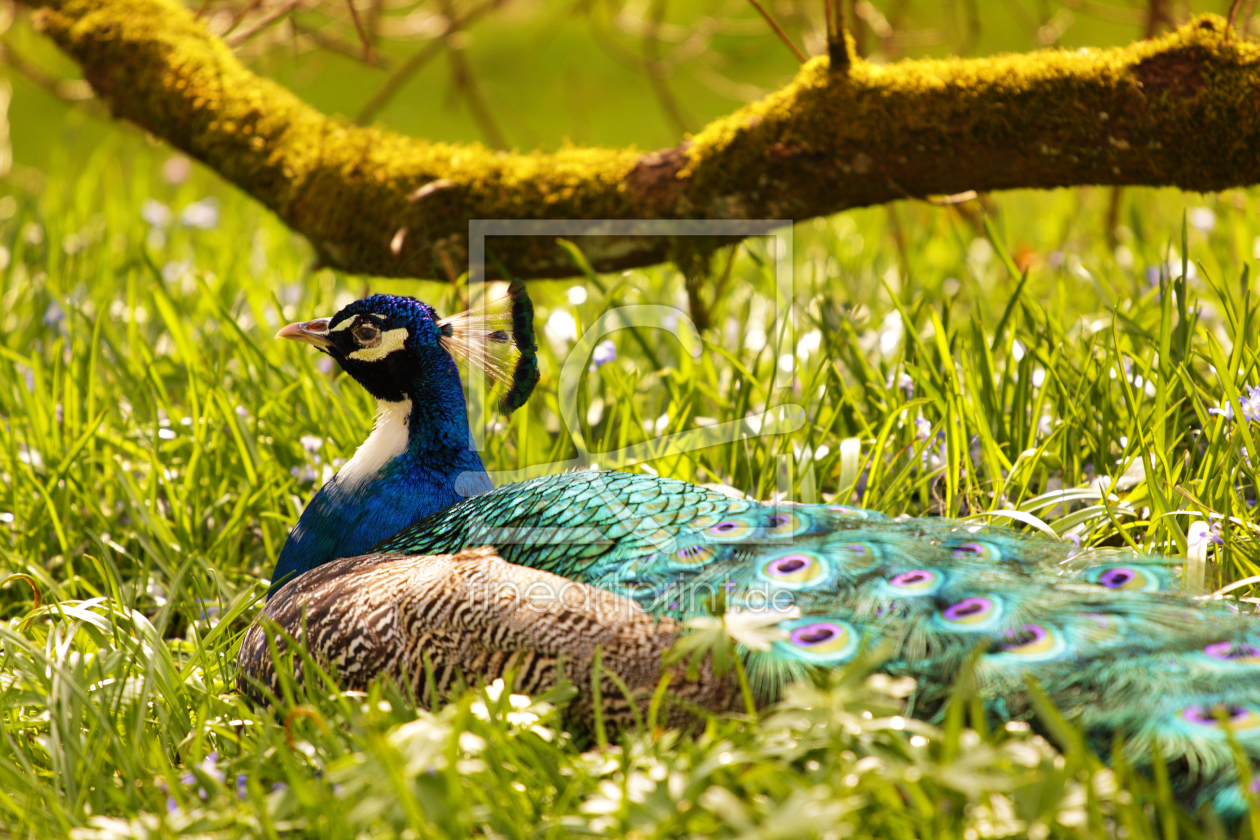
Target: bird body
(1108, 636)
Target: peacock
(409, 563)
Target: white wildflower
(754, 629)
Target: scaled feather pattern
(1108, 634)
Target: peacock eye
(366, 334)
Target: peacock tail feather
(1108, 635)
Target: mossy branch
(1182, 110)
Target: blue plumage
(420, 457)
(348, 521)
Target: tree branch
(1182, 110)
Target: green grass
(156, 444)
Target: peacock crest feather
(500, 344)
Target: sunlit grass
(156, 445)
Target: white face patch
(387, 441)
(390, 341)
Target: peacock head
(383, 341)
(390, 344)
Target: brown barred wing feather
(478, 616)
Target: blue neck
(390, 484)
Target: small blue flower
(240, 786)
(305, 474)
(1205, 533)
(54, 315)
(1250, 403)
(604, 353)
(903, 381)
(210, 767)
(934, 454)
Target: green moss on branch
(1181, 110)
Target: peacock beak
(312, 332)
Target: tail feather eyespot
(1211, 715)
(728, 530)
(794, 571)
(783, 523)
(1241, 653)
(972, 550)
(977, 613)
(821, 641)
(1124, 578)
(1032, 643)
(916, 582)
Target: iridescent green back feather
(1107, 634)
